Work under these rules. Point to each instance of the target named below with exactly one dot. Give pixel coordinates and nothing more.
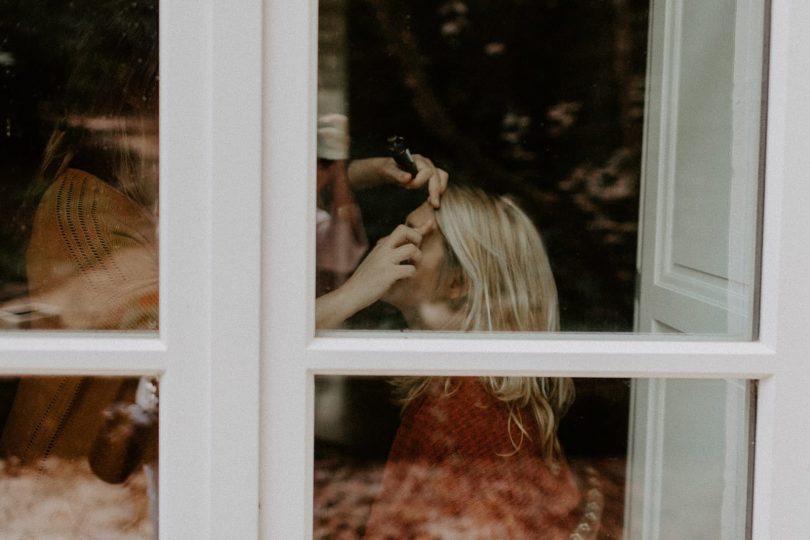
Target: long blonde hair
(494, 253)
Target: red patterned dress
(454, 472)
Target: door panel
(701, 168)
(697, 253)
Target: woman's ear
(458, 287)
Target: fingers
(426, 170)
(425, 227)
(404, 271)
(401, 246)
(402, 235)
(389, 170)
(407, 252)
(402, 177)
(436, 187)
(430, 175)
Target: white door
(696, 262)
(701, 168)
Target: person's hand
(386, 264)
(383, 170)
(427, 175)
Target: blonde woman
(475, 263)
(473, 457)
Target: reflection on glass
(521, 457)
(78, 457)
(79, 165)
(549, 104)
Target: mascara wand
(399, 151)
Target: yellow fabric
(93, 255)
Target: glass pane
(603, 162)
(78, 457)
(521, 457)
(79, 165)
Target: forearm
(341, 190)
(376, 171)
(333, 308)
(368, 172)
(388, 262)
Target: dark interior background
(57, 57)
(596, 425)
(541, 100)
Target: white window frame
(238, 94)
(291, 356)
(207, 350)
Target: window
(296, 357)
(237, 135)
(209, 400)
(506, 110)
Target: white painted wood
(210, 181)
(592, 356)
(291, 355)
(288, 261)
(642, 511)
(235, 261)
(108, 353)
(701, 167)
(208, 349)
(782, 468)
(689, 466)
(738, 440)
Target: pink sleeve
(341, 240)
